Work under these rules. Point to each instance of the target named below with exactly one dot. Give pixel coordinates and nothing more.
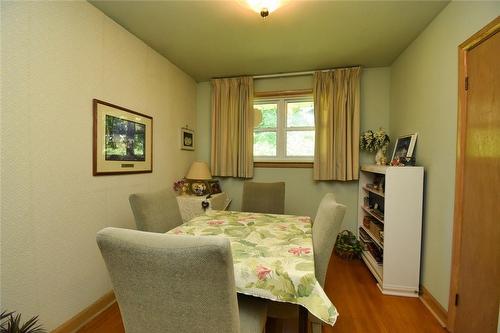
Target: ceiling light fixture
(264, 7)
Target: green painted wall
(424, 100)
(302, 193)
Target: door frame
(489, 30)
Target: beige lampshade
(199, 171)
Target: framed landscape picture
(122, 140)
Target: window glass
(264, 144)
(269, 114)
(300, 114)
(300, 143)
(286, 129)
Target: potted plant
(11, 323)
(375, 141)
(347, 246)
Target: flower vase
(380, 157)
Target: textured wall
(302, 193)
(1, 154)
(56, 57)
(424, 100)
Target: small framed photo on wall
(187, 139)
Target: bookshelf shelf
(391, 209)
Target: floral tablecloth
(272, 255)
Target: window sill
(283, 164)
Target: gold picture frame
(122, 140)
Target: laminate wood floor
(363, 308)
(353, 290)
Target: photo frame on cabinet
(404, 148)
(214, 186)
(187, 139)
(122, 140)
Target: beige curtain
(336, 111)
(232, 127)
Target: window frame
(281, 130)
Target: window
(286, 132)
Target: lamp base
(199, 187)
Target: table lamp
(197, 175)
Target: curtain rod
(283, 75)
(268, 76)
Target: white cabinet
(190, 206)
(390, 226)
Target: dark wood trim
(98, 101)
(485, 33)
(94, 139)
(303, 319)
(87, 314)
(433, 306)
(283, 93)
(306, 165)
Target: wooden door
(475, 285)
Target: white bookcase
(395, 208)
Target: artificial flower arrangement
(374, 140)
(181, 186)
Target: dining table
(273, 258)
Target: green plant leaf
(306, 285)
(11, 323)
(305, 266)
(32, 326)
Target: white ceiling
(225, 38)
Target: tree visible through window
(286, 132)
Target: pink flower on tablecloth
(304, 219)
(178, 231)
(215, 222)
(262, 272)
(297, 251)
(246, 220)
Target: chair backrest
(171, 283)
(156, 211)
(263, 197)
(325, 229)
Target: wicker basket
(376, 228)
(347, 246)
(367, 221)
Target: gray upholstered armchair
(325, 229)
(263, 197)
(156, 211)
(171, 283)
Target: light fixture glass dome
(259, 5)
